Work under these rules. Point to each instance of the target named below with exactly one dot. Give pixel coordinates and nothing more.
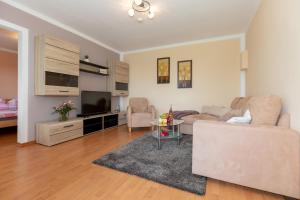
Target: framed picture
(184, 74)
(163, 70)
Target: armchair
(139, 113)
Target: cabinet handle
(68, 126)
(63, 91)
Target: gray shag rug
(171, 165)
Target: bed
(8, 114)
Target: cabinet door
(61, 44)
(61, 67)
(61, 91)
(61, 54)
(122, 78)
(121, 86)
(58, 79)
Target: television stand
(99, 122)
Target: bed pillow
(3, 106)
(12, 104)
(245, 119)
(2, 100)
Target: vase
(63, 117)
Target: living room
(154, 100)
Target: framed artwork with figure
(184, 74)
(163, 70)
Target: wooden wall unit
(56, 67)
(51, 133)
(118, 78)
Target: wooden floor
(66, 171)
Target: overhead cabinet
(118, 78)
(56, 67)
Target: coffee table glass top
(176, 122)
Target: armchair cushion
(141, 119)
(138, 104)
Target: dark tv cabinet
(96, 123)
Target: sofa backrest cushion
(231, 113)
(240, 103)
(265, 110)
(284, 120)
(215, 110)
(138, 104)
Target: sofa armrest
(152, 110)
(261, 157)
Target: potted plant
(64, 109)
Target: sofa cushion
(215, 110)
(284, 120)
(231, 113)
(265, 110)
(241, 103)
(190, 119)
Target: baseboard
(26, 144)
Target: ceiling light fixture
(141, 8)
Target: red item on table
(164, 134)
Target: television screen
(93, 103)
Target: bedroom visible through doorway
(8, 85)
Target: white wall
(273, 42)
(216, 75)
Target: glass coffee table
(173, 133)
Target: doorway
(8, 84)
(22, 85)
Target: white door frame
(23, 77)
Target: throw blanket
(180, 114)
(8, 113)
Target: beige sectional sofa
(264, 154)
(238, 104)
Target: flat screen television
(94, 103)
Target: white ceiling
(8, 40)
(176, 21)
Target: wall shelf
(93, 68)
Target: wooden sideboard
(118, 78)
(51, 133)
(56, 67)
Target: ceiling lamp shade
(141, 8)
(131, 12)
(151, 15)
